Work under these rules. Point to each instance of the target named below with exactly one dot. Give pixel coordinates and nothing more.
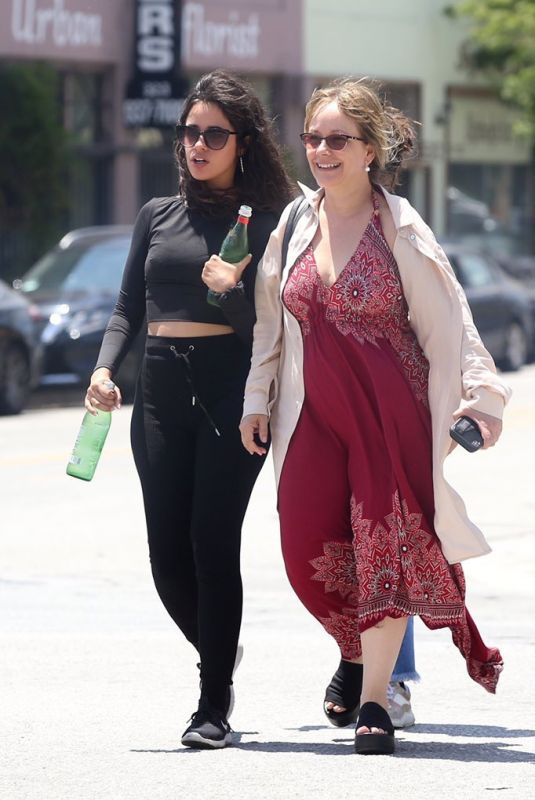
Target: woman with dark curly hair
(195, 476)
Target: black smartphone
(465, 431)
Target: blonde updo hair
(390, 133)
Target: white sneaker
(399, 705)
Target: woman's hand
(490, 427)
(249, 426)
(102, 394)
(220, 276)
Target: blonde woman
(364, 354)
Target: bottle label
(88, 446)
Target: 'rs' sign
(155, 35)
(154, 94)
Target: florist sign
(239, 34)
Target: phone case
(466, 433)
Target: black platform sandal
(372, 715)
(344, 690)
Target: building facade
(467, 147)
(92, 45)
(469, 157)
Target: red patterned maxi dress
(356, 490)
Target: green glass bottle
(88, 446)
(235, 246)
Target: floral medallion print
(300, 290)
(366, 302)
(336, 568)
(344, 628)
(394, 567)
(400, 565)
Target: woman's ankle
(218, 697)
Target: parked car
(510, 250)
(500, 305)
(522, 269)
(20, 351)
(85, 332)
(73, 288)
(467, 215)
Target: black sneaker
(208, 730)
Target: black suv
(74, 287)
(20, 351)
(500, 305)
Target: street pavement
(96, 685)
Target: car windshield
(95, 268)
(100, 268)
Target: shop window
(82, 106)
(489, 202)
(85, 114)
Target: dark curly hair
(264, 184)
(390, 132)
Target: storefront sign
(240, 34)
(154, 95)
(65, 30)
(237, 37)
(53, 22)
(481, 131)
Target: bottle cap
(245, 211)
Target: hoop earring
(241, 165)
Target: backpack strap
(299, 206)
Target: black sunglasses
(335, 141)
(213, 137)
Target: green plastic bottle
(88, 446)
(235, 246)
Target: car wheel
(516, 347)
(14, 379)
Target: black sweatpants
(196, 487)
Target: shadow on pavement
(495, 752)
(482, 731)
(307, 728)
(269, 747)
(483, 752)
(444, 751)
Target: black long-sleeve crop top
(162, 274)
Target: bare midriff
(180, 328)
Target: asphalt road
(96, 685)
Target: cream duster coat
(461, 370)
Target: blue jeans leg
(405, 666)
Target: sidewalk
(97, 686)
